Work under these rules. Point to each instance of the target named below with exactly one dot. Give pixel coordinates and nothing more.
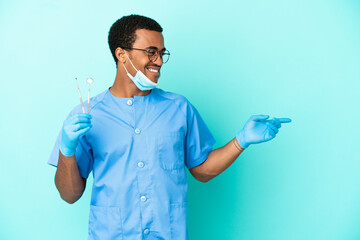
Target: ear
(120, 55)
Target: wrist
(240, 137)
(66, 151)
(237, 145)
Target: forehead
(146, 38)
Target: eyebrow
(153, 47)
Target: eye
(151, 52)
(165, 52)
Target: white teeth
(152, 70)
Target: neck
(124, 87)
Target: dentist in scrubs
(138, 140)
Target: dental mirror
(89, 81)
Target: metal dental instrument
(81, 101)
(89, 81)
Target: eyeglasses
(154, 53)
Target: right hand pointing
(73, 128)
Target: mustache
(153, 65)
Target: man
(137, 141)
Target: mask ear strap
(125, 69)
(130, 61)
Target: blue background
(231, 59)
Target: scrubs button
(143, 198)
(140, 164)
(146, 231)
(137, 131)
(129, 102)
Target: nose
(159, 60)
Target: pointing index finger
(284, 120)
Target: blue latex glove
(73, 128)
(258, 129)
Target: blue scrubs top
(137, 150)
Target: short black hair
(122, 32)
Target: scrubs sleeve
(199, 140)
(83, 154)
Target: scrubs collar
(136, 98)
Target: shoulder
(177, 99)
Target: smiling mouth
(154, 70)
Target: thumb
(259, 117)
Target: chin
(155, 80)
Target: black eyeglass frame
(157, 53)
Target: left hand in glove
(259, 129)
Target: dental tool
(81, 101)
(89, 81)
